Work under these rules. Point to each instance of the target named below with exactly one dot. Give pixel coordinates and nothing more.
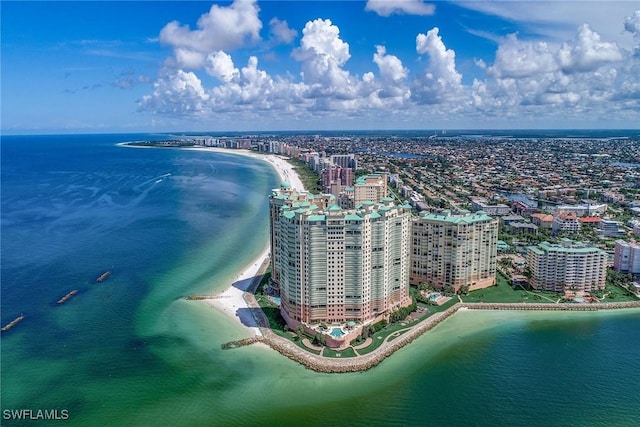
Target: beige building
(371, 187)
(334, 265)
(569, 264)
(454, 250)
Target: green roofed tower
(454, 250)
(336, 265)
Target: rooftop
(567, 247)
(457, 219)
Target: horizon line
(437, 131)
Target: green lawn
(393, 336)
(615, 293)
(438, 308)
(503, 293)
(380, 336)
(276, 322)
(347, 352)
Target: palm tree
(300, 331)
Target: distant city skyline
(247, 65)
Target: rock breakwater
(365, 362)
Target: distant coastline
(173, 143)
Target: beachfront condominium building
(572, 265)
(346, 161)
(454, 250)
(334, 265)
(627, 257)
(372, 187)
(287, 197)
(335, 178)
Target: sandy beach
(231, 301)
(284, 169)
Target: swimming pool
(337, 333)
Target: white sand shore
(284, 169)
(231, 301)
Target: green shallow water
(132, 352)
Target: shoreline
(278, 163)
(234, 303)
(232, 300)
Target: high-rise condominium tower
(454, 250)
(335, 265)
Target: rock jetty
(103, 276)
(67, 296)
(13, 323)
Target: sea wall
(552, 306)
(351, 364)
(365, 362)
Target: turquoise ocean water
(169, 223)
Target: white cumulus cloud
(220, 65)
(187, 58)
(587, 52)
(281, 32)
(222, 28)
(409, 7)
(390, 66)
(522, 59)
(441, 80)
(180, 94)
(392, 75)
(320, 38)
(632, 25)
(322, 54)
(530, 82)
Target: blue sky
(156, 66)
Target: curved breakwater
(365, 362)
(552, 307)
